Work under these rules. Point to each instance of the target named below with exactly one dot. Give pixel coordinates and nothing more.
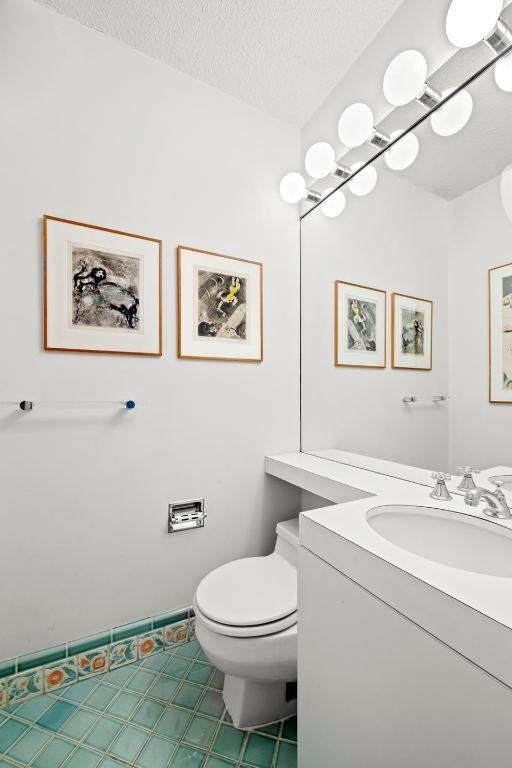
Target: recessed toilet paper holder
(183, 515)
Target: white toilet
(246, 622)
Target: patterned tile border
(33, 674)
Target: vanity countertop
(468, 611)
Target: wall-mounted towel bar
(433, 399)
(30, 405)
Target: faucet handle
(440, 476)
(467, 483)
(467, 470)
(440, 491)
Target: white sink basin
(505, 479)
(450, 538)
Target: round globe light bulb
(292, 187)
(364, 182)
(334, 204)
(452, 116)
(404, 79)
(320, 160)
(356, 125)
(503, 73)
(402, 154)
(506, 190)
(470, 21)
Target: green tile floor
(163, 712)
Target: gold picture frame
(366, 328)
(95, 309)
(220, 308)
(414, 353)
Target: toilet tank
(287, 541)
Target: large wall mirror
(407, 295)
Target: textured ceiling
(282, 56)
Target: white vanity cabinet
(378, 691)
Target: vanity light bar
(500, 38)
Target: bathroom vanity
(405, 620)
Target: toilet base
(252, 704)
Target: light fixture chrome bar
(429, 98)
(313, 195)
(342, 172)
(500, 38)
(379, 139)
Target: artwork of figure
(361, 324)
(413, 332)
(105, 289)
(221, 305)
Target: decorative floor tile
(156, 753)
(10, 730)
(123, 653)
(141, 681)
(92, 662)
(124, 705)
(259, 751)
(79, 691)
(3, 693)
(165, 711)
(200, 732)
(174, 722)
(34, 708)
(148, 714)
(212, 704)
(287, 755)
(187, 757)
(54, 754)
(59, 674)
(229, 742)
(83, 758)
(150, 643)
(101, 697)
(103, 732)
(164, 688)
(188, 696)
(28, 746)
(78, 724)
(128, 743)
(55, 717)
(200, 673)
(218, 762)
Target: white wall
(94, 131)
(481, 240)
(394, 239)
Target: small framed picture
(359, 325)
(500, 334)
(411, 332)
(220, 307)
(102, 290)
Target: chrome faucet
(497, 505)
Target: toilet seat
(251, 597)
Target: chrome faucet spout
(497, 505)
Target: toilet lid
(248, 592)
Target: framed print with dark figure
(102, 289)
(411, 332)
(359, 325)
(220, 307)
